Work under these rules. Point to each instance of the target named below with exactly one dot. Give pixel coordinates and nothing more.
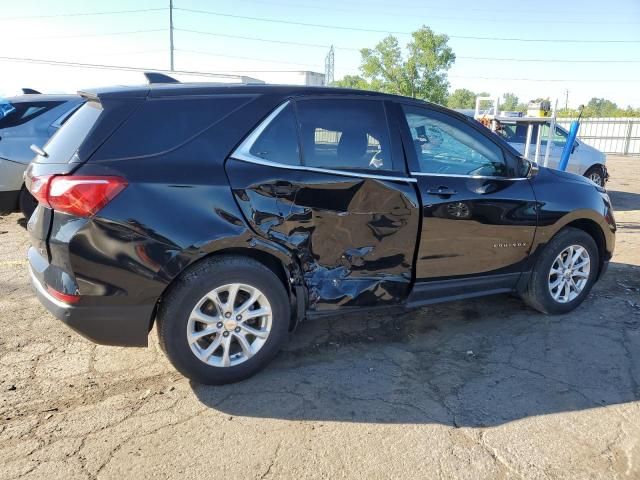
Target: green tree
(422, 73)
(352, 81)
(464, 98)
(601, 107)
(510, 102)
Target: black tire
(537, 294)
(27, 203)
(191, 287)
(596, 172)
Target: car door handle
(441, 191)
(282, 188)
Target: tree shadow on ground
(477, 363)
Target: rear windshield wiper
(38, 150)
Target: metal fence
(609, 135)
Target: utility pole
(566, 99)
(171, 33)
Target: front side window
(344, 134)
(446, 145)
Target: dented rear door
(334, 196)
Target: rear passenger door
(325, 177)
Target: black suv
(227, 214)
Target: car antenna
(30, 91)
(155, 77)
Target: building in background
(303, 77)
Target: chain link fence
(609, 135)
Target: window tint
(344, 134)
(446, 145)
(279, 141)
(517, 133)
(64, 143)
(162, 124)
(25, 112)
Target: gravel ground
(479, 389)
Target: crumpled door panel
(355, 238)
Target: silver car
(584, 160)
(26, 120)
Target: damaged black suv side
(228, 214)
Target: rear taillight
(40, 187)
(82, 196)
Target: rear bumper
(126, 326)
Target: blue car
(26, 120)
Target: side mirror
(527, 168)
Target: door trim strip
(250, 159)
(481, 177)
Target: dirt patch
(485, 388)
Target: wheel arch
(284, 266)
(594, 231)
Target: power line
(325, 46)
(359, 29)
(247, 58)
(553, 60)
(439, 17)
(84, 14)
(258, 39)
(106, 34)
(228, 73)
(218, 74)
(542, 79)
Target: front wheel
(224, 320)
(596, 175)
(564, 273)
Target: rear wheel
(224, 320)
(27, 203)
(596, 175)
(564, 273)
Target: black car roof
(185, 89)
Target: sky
(43, 30)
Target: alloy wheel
(229, 325)
(596, 178)
(569, 273)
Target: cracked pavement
(485, 388)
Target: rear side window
(25, 112)
(163, 124)
(344, 134)
(66, 141)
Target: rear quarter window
(163, 124)
(66, 141)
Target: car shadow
(624, 201)
(476, 363)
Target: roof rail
(30, 91)
(155, 77)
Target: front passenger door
(478, 218)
